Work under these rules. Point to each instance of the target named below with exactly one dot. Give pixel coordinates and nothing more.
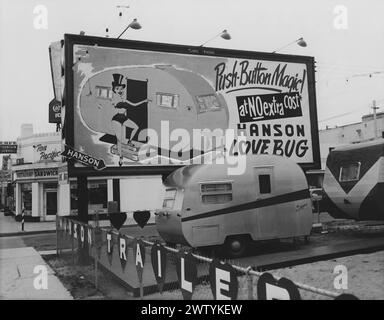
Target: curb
(25, 233)
(28, 233)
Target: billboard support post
(82, 190)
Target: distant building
(350, 133)
(5, 181)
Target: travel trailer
(354, 181)
(150, 95)
(204, 206)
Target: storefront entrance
(51, 203)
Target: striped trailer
(354, 181)
(204, 206)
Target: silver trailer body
(203, 206)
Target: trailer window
(216, 187)
(208, 102)
(104, 92)
(167, 100)
(216, 193)
(350, 172)
(169, 199)
(264, 183)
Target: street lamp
(224, 34)
(133, 25)
(300, 42)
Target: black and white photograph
(173, 153)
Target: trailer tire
(236, 246)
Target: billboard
(139, 105)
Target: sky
(347, 45)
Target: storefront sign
(52, 172)
(24, 174)
(37, 173)
(54, 111)
(46, 152)
(8, 147)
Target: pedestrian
(22, 218)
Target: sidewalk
(9, 227)
(18, 280)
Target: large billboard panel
(138, 105)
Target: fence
(152, 269)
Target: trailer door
(137, 90)
(265, 214)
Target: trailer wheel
(236, 246)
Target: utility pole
(374, 107)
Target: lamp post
(300, 42)
(224, 34)
(133, 25)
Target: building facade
(35, 174)
(351, 133)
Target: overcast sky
(342, 48)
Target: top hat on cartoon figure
(117, 81)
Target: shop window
(208, 102)
(26, 197)
(350, 172)
(265, 183)
(167, 100)
(169, 199)
(216, 193)
(97, 193)
(104, 92)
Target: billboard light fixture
(300, 42)
(133, 25)
(224, 34)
